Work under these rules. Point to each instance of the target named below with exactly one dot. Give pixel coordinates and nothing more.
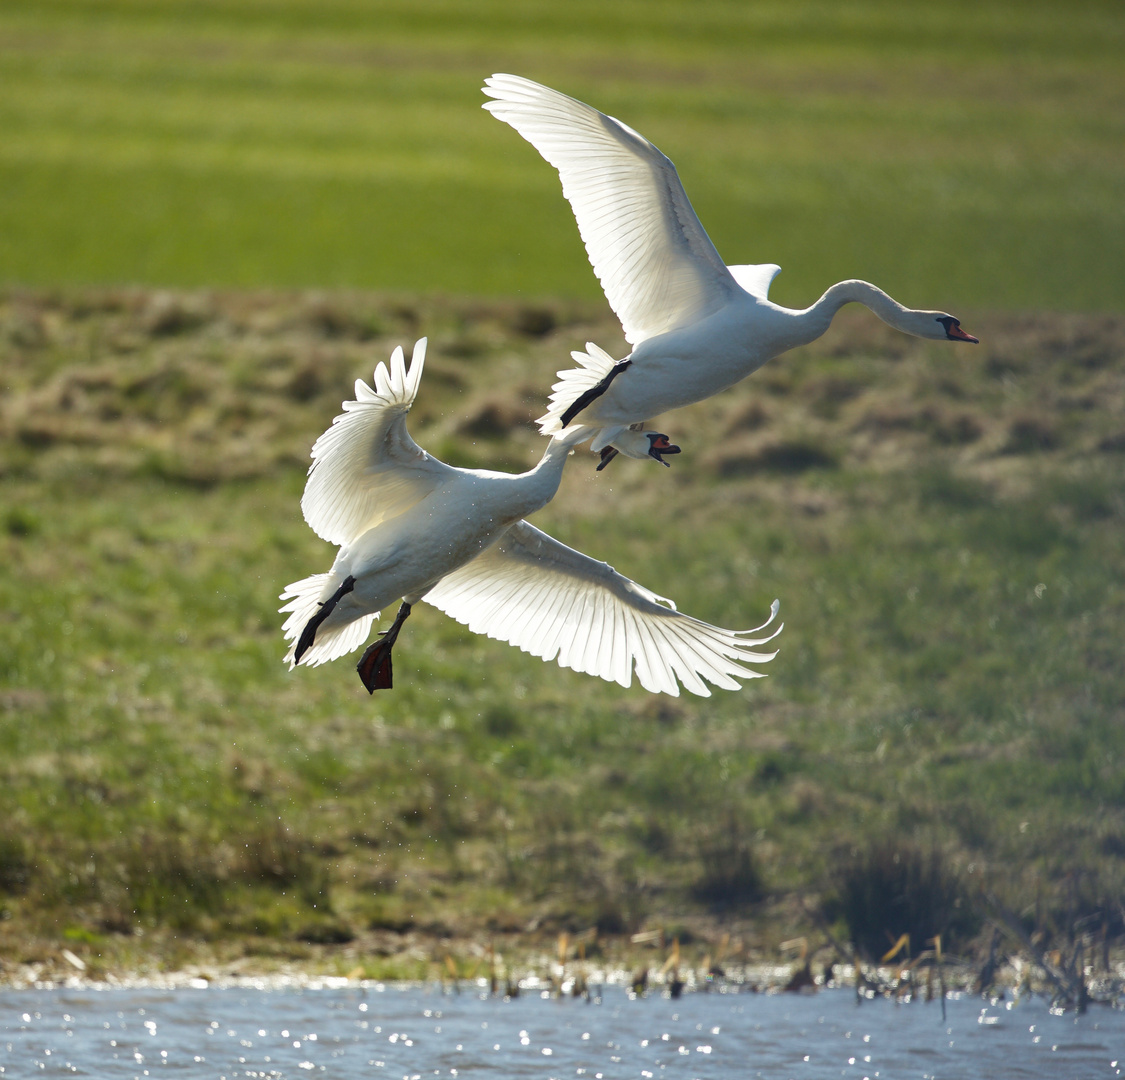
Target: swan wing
(554, 602)
(755, 278)
(366, 468)
(656, 264)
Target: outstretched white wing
(366, 468)
(657, 266)
(549, 599)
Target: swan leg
(608, 454)
(311, 627)
(593, 393)
(374, 666)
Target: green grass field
(943, 527)
(215, 216)
(966, 155)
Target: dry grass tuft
(893, 887)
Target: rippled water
(417, 1032)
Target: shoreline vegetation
(536, 973)
(938, 749)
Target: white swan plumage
(412, 527)
(696, 325)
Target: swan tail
(332, 638)
(593, 366)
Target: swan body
(695, 325)
(411, 527)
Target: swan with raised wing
(695, 325)
(411, 527)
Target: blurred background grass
(943, 527)
(961, 154)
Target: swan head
(935, 325)
(638, 444)
(659, 445)
(952, 330)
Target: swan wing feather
(366, 468)
(652, 256)
(534, 592)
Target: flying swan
(411, 527)
(696, 326)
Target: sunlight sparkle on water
(348, 1031)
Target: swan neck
(819, 317)
(547, 475)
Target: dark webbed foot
(313, 625)
(374, 666)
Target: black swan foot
(374, 666)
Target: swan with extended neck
(696, 326)
(411, 527)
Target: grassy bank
(943, 527)
(970, 153)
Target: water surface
(415, 1032)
